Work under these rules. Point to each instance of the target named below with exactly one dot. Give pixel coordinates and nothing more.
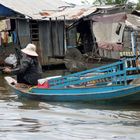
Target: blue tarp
(4, 11)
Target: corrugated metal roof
(32, 8)
(133, 21)
(45, 9)
(76, 12)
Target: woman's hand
(7, 70)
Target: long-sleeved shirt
(29, 70)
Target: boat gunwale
(89, 93)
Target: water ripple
(27, 119)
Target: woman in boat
(29, 70)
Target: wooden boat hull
(129, 93)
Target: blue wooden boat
(128, 93)
(106, 83)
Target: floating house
(56, 26)
(101, 31)
(132, 24)
(22, 22)
(97, 33)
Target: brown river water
(33, 120)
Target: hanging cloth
(8, 24)
(10, 40)
(0, 39)
(5, 41)
(14, 37)
(2, 25)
